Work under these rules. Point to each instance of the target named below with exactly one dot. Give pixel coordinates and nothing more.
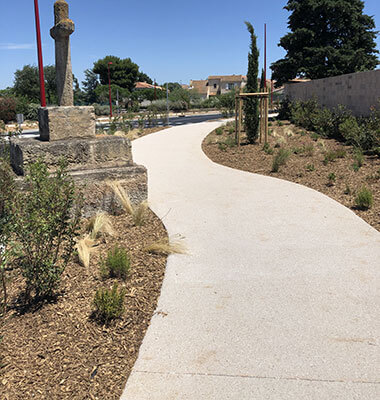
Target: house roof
(228, 78)
(145, 85)
(199, 85)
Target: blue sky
(170, 40)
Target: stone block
(104, 152)
(97, 194)
(58, 123)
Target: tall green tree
(124, 73)
(251, 106)
(327, 38)
(90, 83)
(142, 77)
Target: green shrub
(347, 190)
(219, 131)
(267, 149)
(45, 222)
(109, 304)
(222, 146)
(364, 199)
(298, 150)
(116, 265)
(101, 110)
(332, 178)
(8, 109)
(310, 167)
(358, 158)
(280, 159)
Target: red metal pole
(109, 87)
(39, 51)
(265, 57)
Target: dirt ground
(307, 164)
(57, 351)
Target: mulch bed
(57, 351)
(303, 168)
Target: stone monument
(70, 132)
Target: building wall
(358, 92)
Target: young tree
(90, 84)
(251, 106)
(327, 38)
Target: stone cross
(61, 31)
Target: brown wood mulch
(303, 168)
(58, 351)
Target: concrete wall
(358, 91)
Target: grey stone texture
(80, 153)
(358, 92)
(61, 32)
(97, 195)
(58, 123)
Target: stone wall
(358, 92)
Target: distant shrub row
(338, 123)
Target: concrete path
(279, 295)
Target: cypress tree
(251, 107)
(327, 38)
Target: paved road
(173, 121)
(278, 297)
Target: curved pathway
(278, 297)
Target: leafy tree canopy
(27, 83)
(327, 38)
(172, 86)
(90, 84)
(142, 77)
(124, 73)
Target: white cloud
(17, 46)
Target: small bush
(358, 158)
(116, 265)
(310, 167)
(222, 146)
(280, 159)
(267, 149)
(309, 150)
(331, 178)
(340, 153)
(101, 110)
(109, 304)
(8, 109)
(219, 131)
(298, 150)
(347, 190)
(364, 199)
(45, 224)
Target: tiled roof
(228, 78)
(199, 85)
(145, 85)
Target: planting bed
(57, 351)
(336, 177)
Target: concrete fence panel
(358, 92)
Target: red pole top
(265, 57)
(39, 52)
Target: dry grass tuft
(122, 196)
(84, 248)
(139, 212)
(100, 224)
(166, 247)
